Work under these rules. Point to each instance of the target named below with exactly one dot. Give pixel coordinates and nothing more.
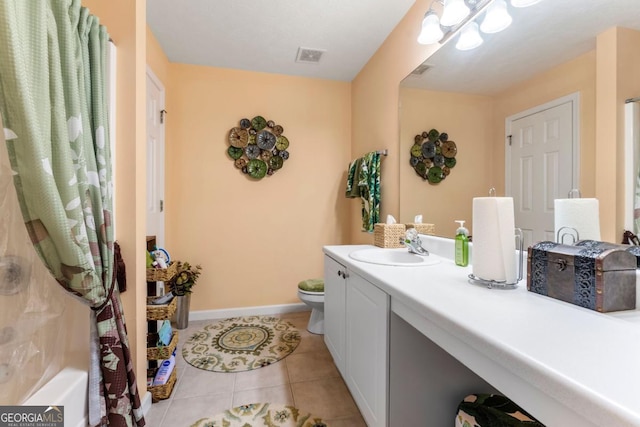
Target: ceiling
(541, 36)
(259, 35)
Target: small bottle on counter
(462, 245)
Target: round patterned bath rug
(241, 344)
(262, 414)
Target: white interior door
(155, 158)
(541, 165)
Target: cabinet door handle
(339, 273)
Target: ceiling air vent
(420, 70)
(309, 55)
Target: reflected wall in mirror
(543, 56)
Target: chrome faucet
(414, 244)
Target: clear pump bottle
(462, 245)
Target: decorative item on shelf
(595, 275)
(185, 278)
(389, 235)
(182, 286)
(160, 352)
(258, 147)
(158, 258)
(162, 274)
(161, 392)
(433, 155)
(422, 228)
(160, 311)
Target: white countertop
(567, 365)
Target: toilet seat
(310, 292)
(315, 300)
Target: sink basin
(396, 257)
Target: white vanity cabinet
(367, 372)
(335, 277)
(357, 334)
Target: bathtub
(69, 389)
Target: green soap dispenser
(462, 245)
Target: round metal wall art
(258, 147)
(433, 155)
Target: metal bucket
(182, 311)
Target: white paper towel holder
(574, 193)
(568, 231)
(502, 284)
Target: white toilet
(311, 292)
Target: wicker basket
(162, 274)
(162, 311)
(389, 235)
(164, 352)
(161, 392)
(423, 228)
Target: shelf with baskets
(156, 354)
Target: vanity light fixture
(431, 31)
(496, 18)
(469, 37)
(456, 15)
(524, 3)
(454, 12)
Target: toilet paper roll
(581, 214)
(494, 239)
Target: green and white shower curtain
(54, 110)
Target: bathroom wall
(254, 239)
(156, 59)
(126, 22)
(468, 120)
(374, 97)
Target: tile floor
(307, 379)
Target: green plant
(185, 279)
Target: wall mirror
(469, 94)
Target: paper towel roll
(581, 214)
(494, 239)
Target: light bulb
(497, 17)
(524, 3)
(454, 12)
(469, 37)
(431, 31)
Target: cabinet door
(367, 315)
(334, 311)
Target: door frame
(158, 83)
(574, 99)
(632, 153)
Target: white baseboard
(145, 403)
(248, 311)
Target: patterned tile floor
(307, 379)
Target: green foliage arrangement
(185, 279)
